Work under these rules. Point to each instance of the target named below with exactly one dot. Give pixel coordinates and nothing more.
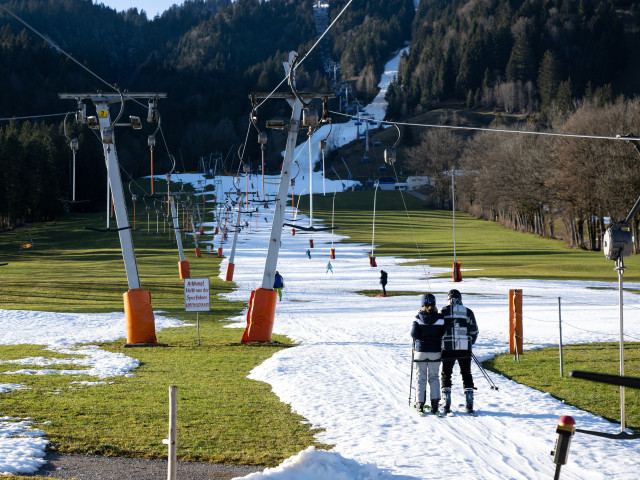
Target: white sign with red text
(196, 295)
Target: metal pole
(556, 475)
(484, 372)
(262, 152)
(271, 261)
(310, 181)
(366, 135)
(73, 197)
(176, 227)
(620, 267)
(323, 174)
(413, 348)
(236, 230)
(333, 212)
(115, 183)
(108, 189)
(198, 324)
(453, 210)
(194, 234)
(373, 229)
(560, 328)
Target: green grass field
(485, 247)
(540, 369)
(70, 269)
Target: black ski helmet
(428, 299)
(454, 294)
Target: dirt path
(89, 467)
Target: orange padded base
(260, 316)
(183, 268)
(139, 317)
(228, 274)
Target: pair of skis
(427, 412)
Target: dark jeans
(464, 362)
(384, 289)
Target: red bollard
(457, 276)
(228, 274)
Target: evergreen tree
(522, 62)
(548, 79)
(472, 64)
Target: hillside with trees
(513, 56)
(207, 55)
(536, 65)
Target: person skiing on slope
(278, 284)
(383, 282)
(427, 331)
(461, 332)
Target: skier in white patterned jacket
(461, 332)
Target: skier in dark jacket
(461, 332)
(383, 282)
(427, 331)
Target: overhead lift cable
(57, 47)
(626, 138)
(32, 117)
(307, 54)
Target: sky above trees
(152, 7)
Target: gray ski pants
(427, 371)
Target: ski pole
(482, 369)
(486, 375)
(484, 372)
(413, 348)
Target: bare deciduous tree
(436, 155)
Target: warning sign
(196, 294)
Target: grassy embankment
(71, 269)
(223, 416)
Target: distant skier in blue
(427, 331)
(278, 285)
(461, 332)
